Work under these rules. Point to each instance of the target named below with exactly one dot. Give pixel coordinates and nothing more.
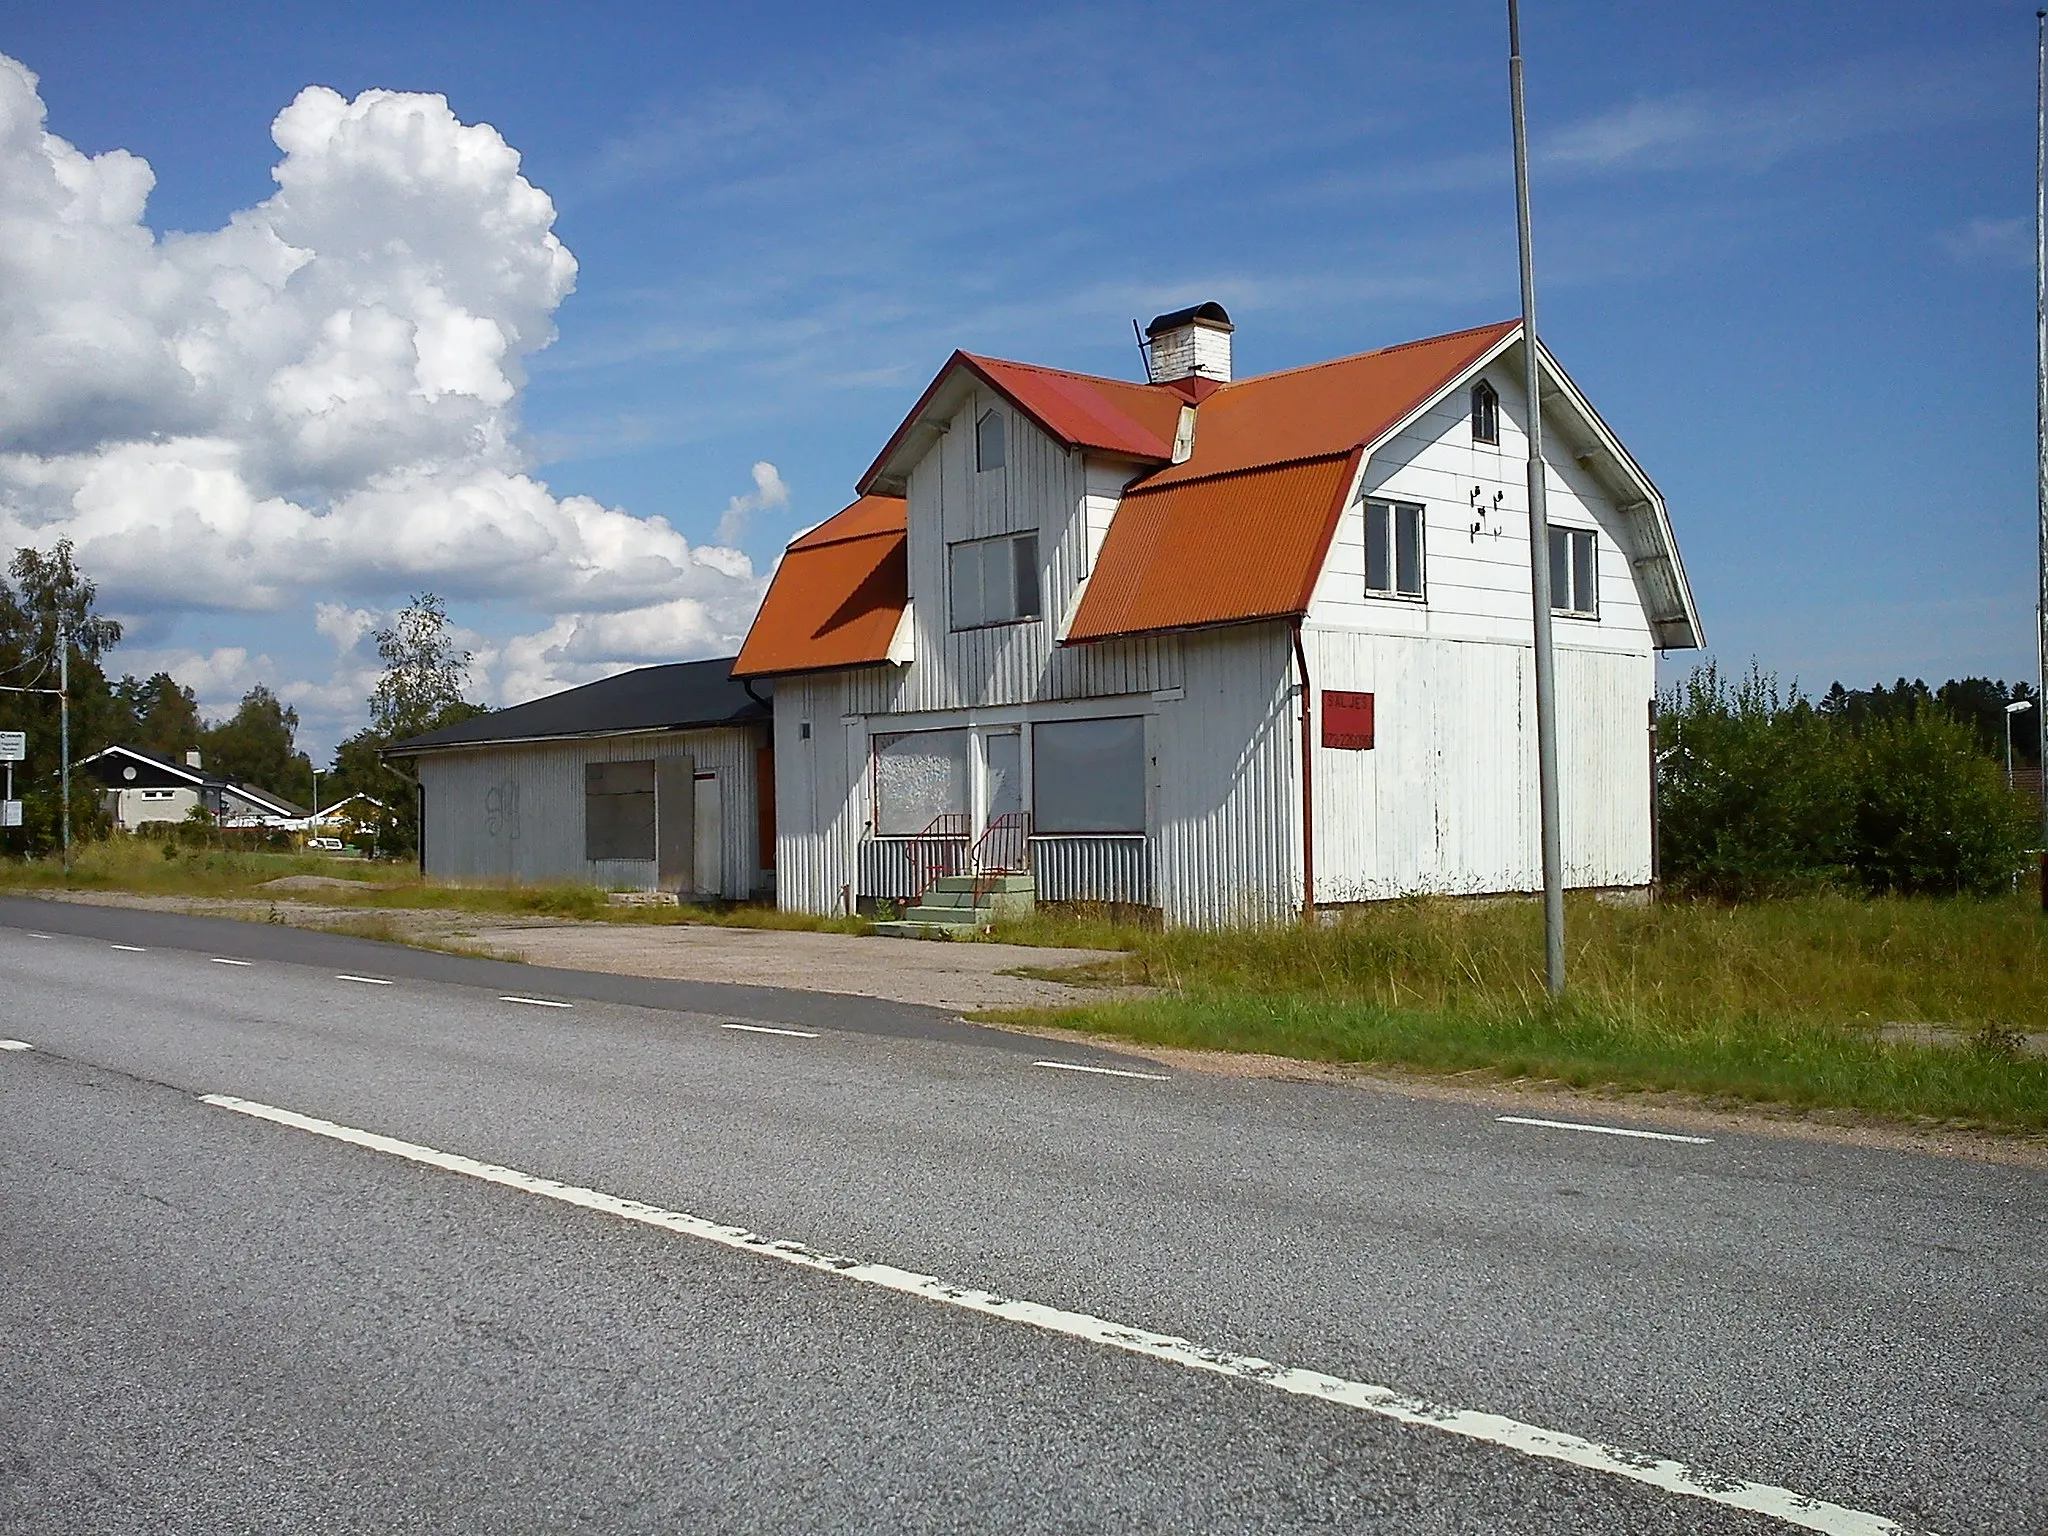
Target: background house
(1219, 647)
(141, 788)
(645, 781)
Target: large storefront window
(1089, 776)
(919, 777)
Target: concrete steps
(949, 909)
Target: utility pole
(2041, 413)
(1539, 541)
(64, 732)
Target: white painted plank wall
(516, 812)
(1445, 802)
(1477, 585)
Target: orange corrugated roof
(1326, 408)
(1222, 550)
(837, 597)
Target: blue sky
(1785, 249)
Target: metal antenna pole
(2041, 415)
(64, 733)
(1539, 542)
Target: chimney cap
(1212, 315)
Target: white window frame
(1374, 507)
(978, 617)
(983, 459)
(1484, 394)
(1573, 603)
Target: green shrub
(1933, 814)
(1760, 794)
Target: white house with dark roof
(1227, 648)
(142, 788)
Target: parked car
(324, 844)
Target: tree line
(44, 597)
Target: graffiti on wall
(501, 811)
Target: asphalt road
(212, 1321)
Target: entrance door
(1003, 770)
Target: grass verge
(1783, 1002)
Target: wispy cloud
(1990, 242)
(1756, 129)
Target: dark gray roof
(682, 695)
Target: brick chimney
(1191, 343)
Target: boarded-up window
(618, 810)
(1088, 776)
(920, 776)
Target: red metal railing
(1004, 849)
(939, 850)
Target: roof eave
(418, 747)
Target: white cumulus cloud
(320, 399)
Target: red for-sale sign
(1347, 720)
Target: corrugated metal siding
(1042, 487)
(819, 797)
(516, 812)
(1117, 869)
(1227, 810)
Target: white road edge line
(1075, 1066)
(219, 960)
(1492, 1429)
(770, 1029)
(15, 1045)
(133, 949)
(1603, 1130)
(536, 1002)
(368, 981)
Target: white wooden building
(1218, 647)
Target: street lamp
(2016, 707)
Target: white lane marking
(770, 1029)
(536, 1002)
(1075, 1066)
(1603, 1130)
(218, 960)
(1491, 1428)
(15, 1045)
(39, 935)
(133, 949)
(368, 981)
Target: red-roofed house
(1219, 646)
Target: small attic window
(988, 441)
(1485, 413)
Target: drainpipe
(1308, 785)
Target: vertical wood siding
(1446, 799)
(820, 799)
(516, 812)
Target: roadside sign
(13, 746)
(10, 813)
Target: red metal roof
(1136, 421)
(837, 597)
(1227, 549)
